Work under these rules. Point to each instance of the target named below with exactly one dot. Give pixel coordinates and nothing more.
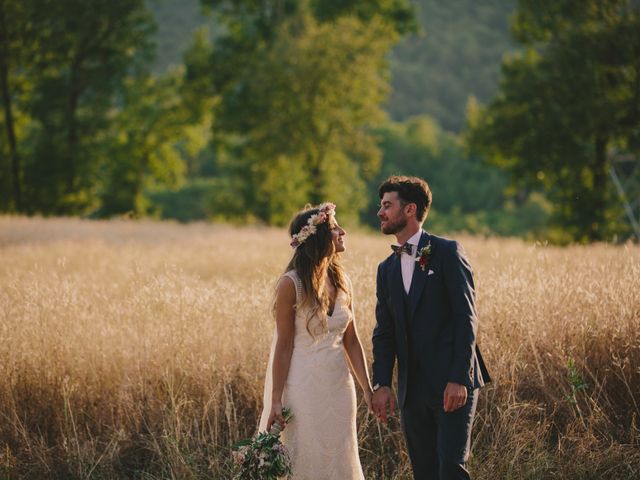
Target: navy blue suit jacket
(438, 325)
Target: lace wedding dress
(321, 438)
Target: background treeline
(245, 110)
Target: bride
(314, 343)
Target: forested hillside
(177, 21)
(455, 54)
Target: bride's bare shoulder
(286, 282)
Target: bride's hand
(276, 416)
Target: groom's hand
(455, 396)
(383, 398)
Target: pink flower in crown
(326, 210)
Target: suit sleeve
(461, 295)
(384, 343)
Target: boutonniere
(423, 256)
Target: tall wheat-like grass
(138, 350)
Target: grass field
(137, 350)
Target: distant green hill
(457, 55)
(177, 21)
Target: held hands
(455, 396)
(382, 399)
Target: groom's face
(391, 214)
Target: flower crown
(326, 210)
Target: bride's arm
(285, 325)
(355, 354)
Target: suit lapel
(418, 280)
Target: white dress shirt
(408, 262)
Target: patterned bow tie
(399, 249)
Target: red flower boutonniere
(424, 255)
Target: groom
(426, 319)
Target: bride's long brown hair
(313, 260)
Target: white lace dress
(322, 436)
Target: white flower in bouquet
(263, 457)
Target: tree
(572, 94)
(143, 145)
(307, 105)
(297, 97)
(17, 34)
(85, 50)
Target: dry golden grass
(137, 350)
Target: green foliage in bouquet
(263, 457)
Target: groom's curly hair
(410, 190)
(312, 260)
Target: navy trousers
(438, 442)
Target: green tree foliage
(85, 128)
(279, 103)
(14, 32)
(84, 50)
(564, 102)
(399, 14)
(467, 194)
(146, 143)
(296, 98)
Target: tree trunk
(599, 189)
(72, 132)
(315, 196)
(8, 112)
(317, 179)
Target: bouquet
(263, 457)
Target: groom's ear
(410, 209)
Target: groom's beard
(391, 228)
